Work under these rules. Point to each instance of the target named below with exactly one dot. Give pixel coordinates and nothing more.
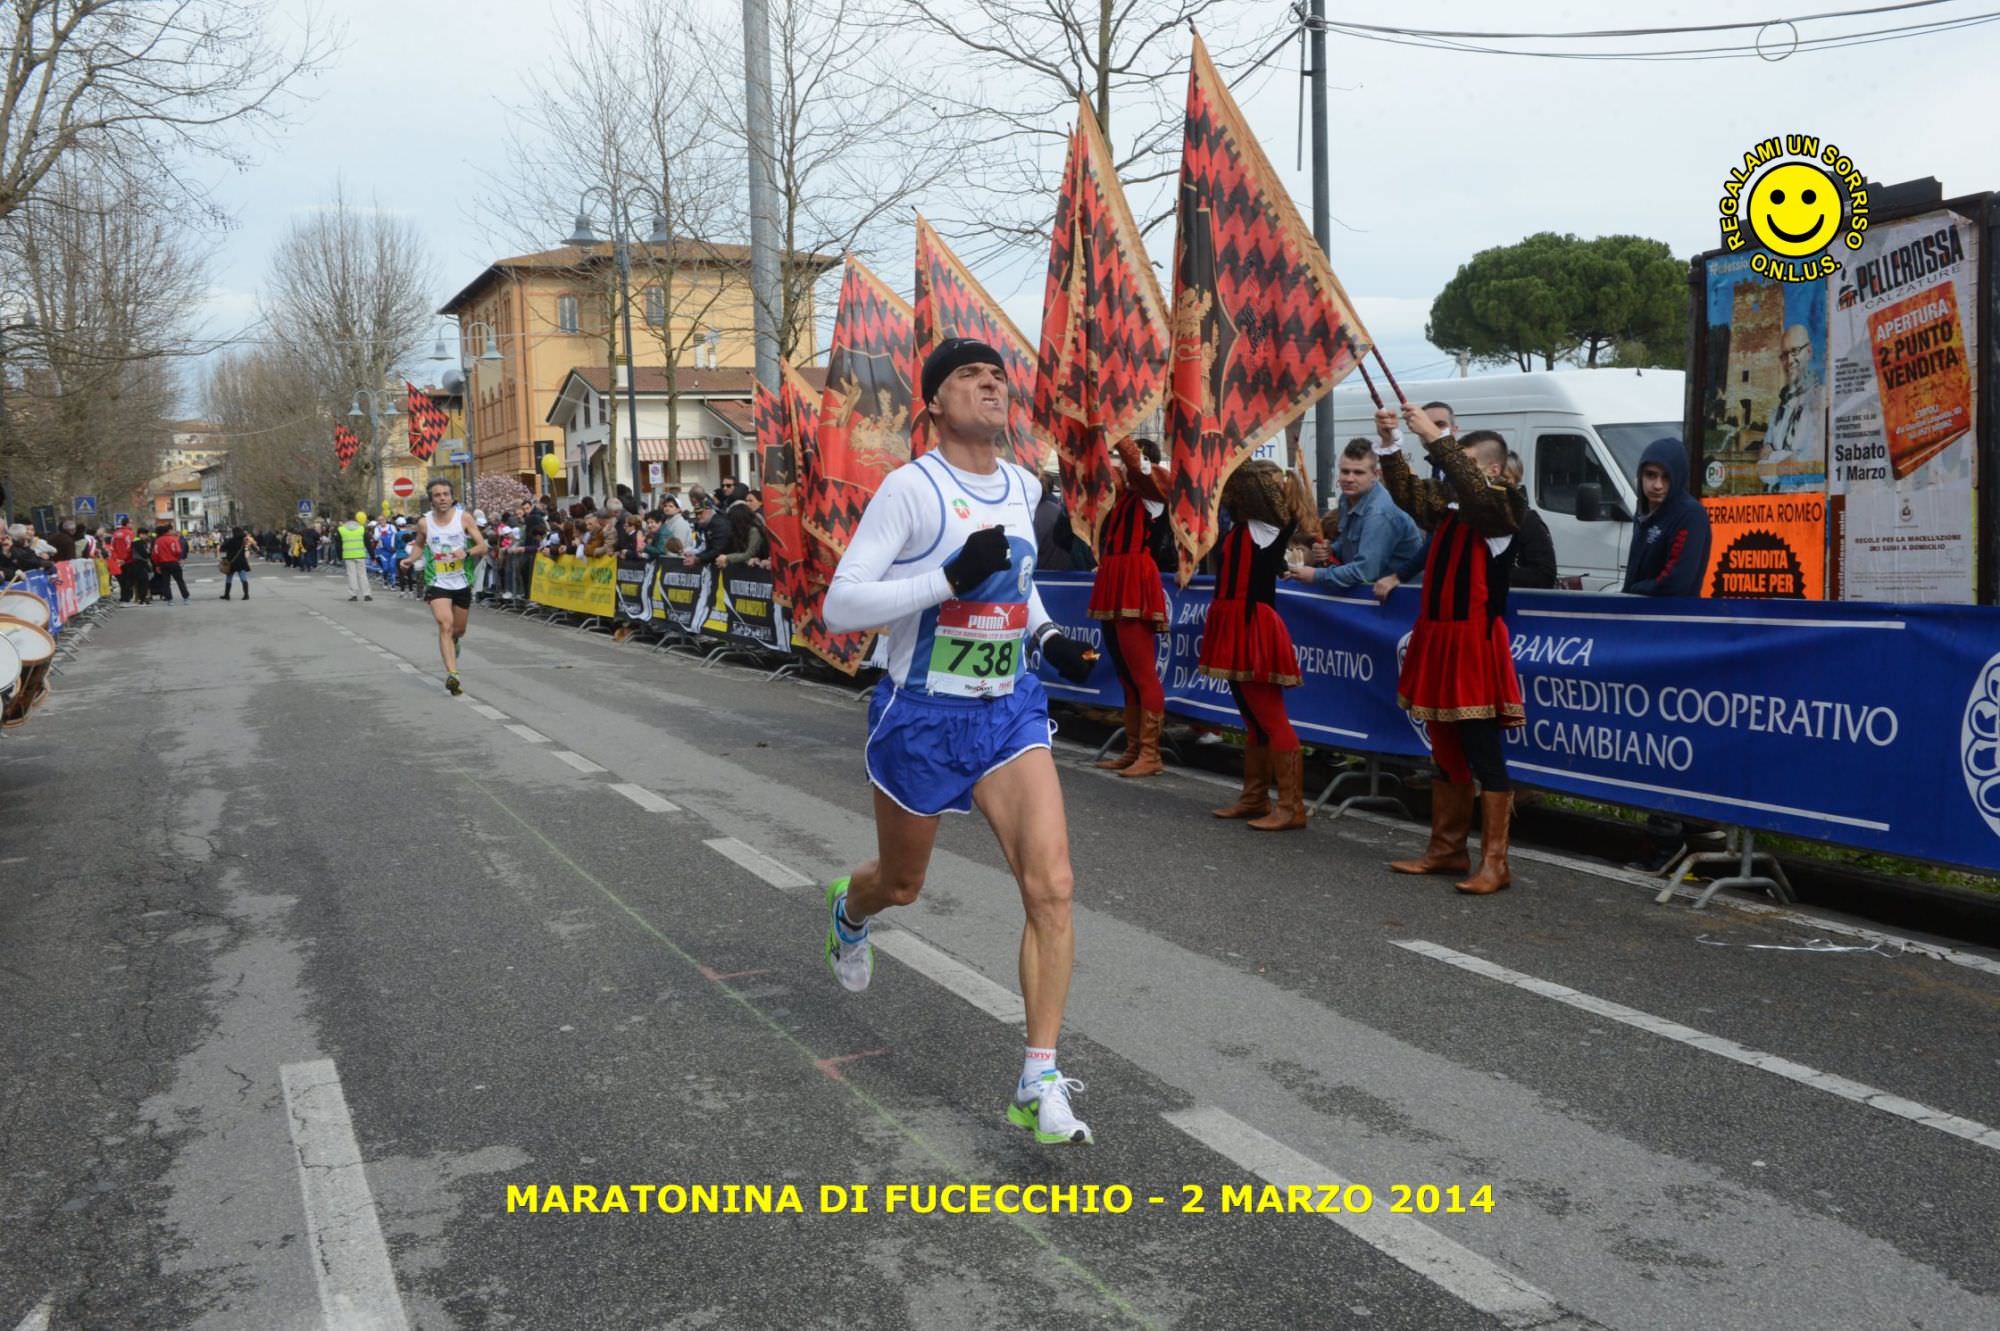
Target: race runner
(944, 557)
(449, 539)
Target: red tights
(1263, 708)
(1133, 646)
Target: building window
(566, 320)
(656, 306)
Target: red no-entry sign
(404, 487)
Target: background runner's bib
(444, 554)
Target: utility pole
(764, 280)
(1464, 359)
(1323, 447)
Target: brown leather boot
(1255, 800)
(1496, 824)
(1290, 815)
(1451, 824)
(1148, 763)
(1131, 754)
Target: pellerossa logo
(1794, 196)
(1979, 744)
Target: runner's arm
(475, 546)
(859, 596)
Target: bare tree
(631, 121)
(268, 405)
(1012, 71)
(854, 143)
(109, 274)
(348, 300)
(139, 85)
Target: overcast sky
(1436, 154)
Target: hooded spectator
(1670, 536)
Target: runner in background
(945, 557)
(445, 542)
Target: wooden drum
(37, 649)
(24, 605)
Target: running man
(944, 556)
(448, 539)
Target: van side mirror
(1590, 502)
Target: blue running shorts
(927, 753)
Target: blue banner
(44, 585)
(1875, 726)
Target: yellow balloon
(361, 517)
(551, 466)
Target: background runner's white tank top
(444, 553)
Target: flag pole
(1394, 387)
(1362, 366)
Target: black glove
(985, 554)
(1069, 657)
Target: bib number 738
(976, 648)
(982, 659)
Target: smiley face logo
(1794, 209)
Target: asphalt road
(307, 964)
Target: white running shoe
(852, 963)
(1048, 1114)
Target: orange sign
(1920, 363)
(1766, 547)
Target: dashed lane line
(645, 798)
(357, 1286)
(38, 1316)
(1452, 1267)
(757, 862)
(490, 713)
(1847, 1089)
(996, 1000)
(576, 760)
(528, 733)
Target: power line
(1833, 41)
(1643, 32)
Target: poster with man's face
(1763, 385)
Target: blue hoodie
(1670, 542)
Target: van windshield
(1628, 443)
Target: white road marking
(766, 868)
(490, 713)
(406, 666)
(996, 1000)
(577, 760)
(357, 1286)
(1847, 1089)
(645, 798)
(38, 1317)
(1449, 1265)
(529, 734)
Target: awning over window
(673, 450)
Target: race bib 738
(976, 648)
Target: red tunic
(1246, 641)
(1459, 666)
(1127, 585)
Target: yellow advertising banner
(580, 586)
(1766, 547)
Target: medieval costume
(1128, 597)
(1458, 675)
(1247, 644)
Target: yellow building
(554, 311)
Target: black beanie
(951, 353)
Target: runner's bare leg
(441, 611)
(903, 842)
(1023, 805)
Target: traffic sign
(305, 508)
(86, 504)
(656, 473)
(121, 518)
(404, 487)
(461, 458)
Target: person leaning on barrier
(712, 532)
(1372, 536)
(1535, 547)
(749, 539)
(1670, 540)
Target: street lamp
(381, 407)
(28, 326)
(489, 355)
(584, 236)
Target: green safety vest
(353, 541)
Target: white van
(1572, 428)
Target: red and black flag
(427, 422)
(1103, 365)
(345, 445)
(864, 415)
(787, 422)
(951, 303)
(1261, 326)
